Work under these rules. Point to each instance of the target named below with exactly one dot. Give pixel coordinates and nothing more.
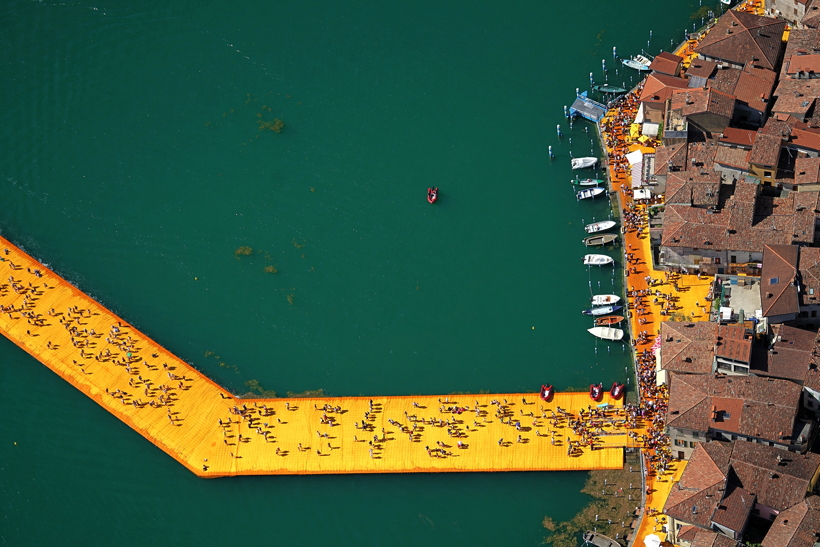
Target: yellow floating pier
(214, 433)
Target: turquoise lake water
(133, 163)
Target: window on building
(767, 174)
(695, 435)
(774, 281)
(679, 442)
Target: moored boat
(608, 320)
(600, 239)
(596, 391)
(598, 260)
(582, 163)
(606, 88)
(432, 195)
(587, 182)
(588, 193)
(638, 62)
(605, 299)
(547, 392)
(601, 226)
(617, 390)
(607, 333)
(602, 310)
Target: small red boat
(547, 392)
(596, 392)
(608, 320)
(432, 195)
(617, 390)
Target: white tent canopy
(634, 157)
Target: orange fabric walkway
(215, 434)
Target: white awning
(639, 116)
(634, 157)
(650, 129)
(642, 193)
(726, 313)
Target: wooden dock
(213, 433)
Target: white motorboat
(607, 333)
(598, 260)
(605, 299)
(601, 226)
(638, 62)
(582, 163)
(588, 193)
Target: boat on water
(607, 333)
(638, 62)
(601, 226)
(606, 88)
(589, 193)
(600, 239)
(605, 299)
(602, 310)
(608, 320)
(582, 163)
(598, 260)
(596, 391)
(432, 195)
(587, 182)
(617, 390)
(547, 392)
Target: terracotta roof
(811, 18)
(795, 96)
(657, 88)
(670, 155)
(732, 157)
(803, 63)
(701, 68)
(741, 137)
(766, 150)
(790, 354)
(754, 87)
(691, 102)
(808, 140)
(796, 526)
(806, 170)
(738, 37)
(688, 532)
(698, 189)
(734, 343)
(708, 538)
(809, 271)
(802, 42)
(751, 406)
(735, 508)
(696, 495)
(734, 476)
(778, 295)
(780, 479)
(745, 223)
(688, 347)
(666, 63)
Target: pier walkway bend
(214, 433)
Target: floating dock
(587, 108)
(214, 434)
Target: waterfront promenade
(214, 433)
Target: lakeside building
(726, 485)
(729, 408)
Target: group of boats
(596, 391)
(602, 306)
